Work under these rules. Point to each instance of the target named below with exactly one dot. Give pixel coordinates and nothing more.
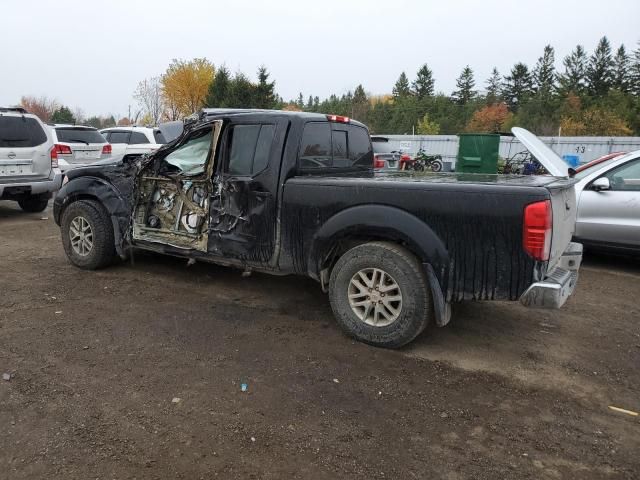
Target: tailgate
(563, 204)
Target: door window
(626, 178)
(191, 157)
(250, 149)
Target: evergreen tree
(493, 87)
(634, 76)
(309, 105)
(359, 104)
(219, 89)
(265, 91)
(517, 86)
(544, 75)
(621, 78)
(401, 88)
(575, 70)
(242, 93)
(63, 115)
(599, 70)
(465, 84)
(423, 86)
(300, 101)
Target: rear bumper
(553, 291)
(34, 187)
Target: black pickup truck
(295, 193)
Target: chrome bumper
(554, 290)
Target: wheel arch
(99, 191)
(366, 223)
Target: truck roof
(205, 113)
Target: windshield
(20, 132)
(588, 171)
(79, 135)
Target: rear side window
(339, 146)
(138, 137)
(20, 132)
(79, 135)
(250, 149)
(119, 137)
(315, 151)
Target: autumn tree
(600, 69)
(185, 85)
(426, 126)
(63, 115)
(149, 96)
(491, 118)
(595, 122)
(41, 107)
(423, 85)
(401, 88)
(575, 70)
(464, 84)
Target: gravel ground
(135, 371)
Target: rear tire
(34, 203)
(87, 235)
(354, 286)
(436, 166)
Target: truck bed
(478, 219)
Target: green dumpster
(478, 153)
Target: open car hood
(549, 159)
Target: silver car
(77, 145)
(608, 195)
(385, 157)
(29, 170)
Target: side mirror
(601, 184)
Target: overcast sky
(92, 54)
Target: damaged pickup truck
(295, 193)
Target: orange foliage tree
(42, 107)
(491, 118)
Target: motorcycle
(422, 161)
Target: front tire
(34, 203)
(87, 235)
(380, 295)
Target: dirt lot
(97, 359)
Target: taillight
(54, 157)
(338, 118)
(62, 149)
(378, 162)
(106, 150)
(537, 229)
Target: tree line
(594, 93)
